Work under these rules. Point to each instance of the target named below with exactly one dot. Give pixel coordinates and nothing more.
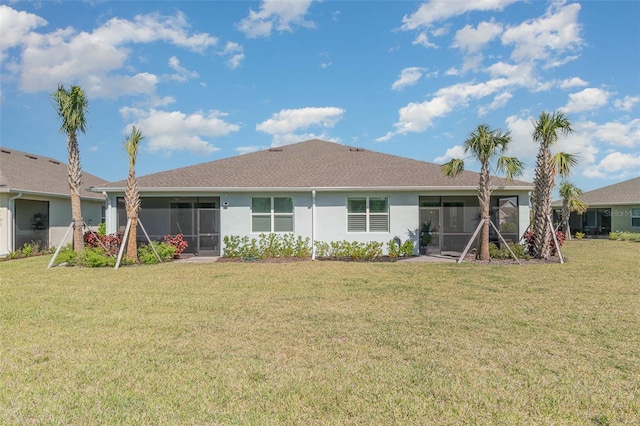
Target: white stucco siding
(4, 225)
(331, 217)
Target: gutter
(210, 190)
(10, 221)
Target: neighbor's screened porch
(196, 218)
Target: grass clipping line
(324, 342)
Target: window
(367, 214)
(635, 217)
(271, 214)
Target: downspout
(107, 210)
(12, 226)
(313, 225)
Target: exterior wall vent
(356, 149)
(4, 151)
(31, 156)
(54, 162)
(275, 149)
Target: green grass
(324, 342)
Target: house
(319, 190)
(611, 208)
(35, 203)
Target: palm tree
(571, 202)
(485, 144)
(72, 106)
(546, 131)
(131, 195)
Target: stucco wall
(621, 218)
(4, 230)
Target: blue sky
(205, 80)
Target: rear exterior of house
(613, 208)
(322, 191)
(35, 205)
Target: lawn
(324, 342)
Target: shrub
(67, 255)
(503, 252)
(96, 257)
(624, 236)
(407, 248)
(109, 243)
(579, 235)
(102, 228)
(322, 249)
(147, 256)
(267, 246)
(393, 249)
(178, 242)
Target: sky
(205, 80)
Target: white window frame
(368, 215)
(272, 215)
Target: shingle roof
(21, 171)
(310, 164)
(626, 192)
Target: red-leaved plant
(111, 243)
(528, 238)
(178, 242)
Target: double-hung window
(635, 216)
(271, 214)
(367, 214)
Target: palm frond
(131, 144)
(564, 162)
(452, 168)
(510, 166)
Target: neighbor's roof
(313, 164)
(627, 192)
(35, 174)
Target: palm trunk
(484, 197)
(75, 182)
(543, 183)
(132, 200)
(565, 218)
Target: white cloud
(249, 149)
(235, 54)
(498, 102)
(98, 59)
(585, 100)
(627, 103)
(280, 15)
(284, 125)
(176, 131)
(408, 77)
(456, 151)
(548, 38)
(435, 11)
(423, 40)
(182, 74)
(614, 166)
(618, 133)
(572, 82)
(472, 39)
(16, 26)
(417, 117)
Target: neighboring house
(35, 204)
(319, 190)
(611, 208)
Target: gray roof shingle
(626, 192)
(310, 164)
(21, 171)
